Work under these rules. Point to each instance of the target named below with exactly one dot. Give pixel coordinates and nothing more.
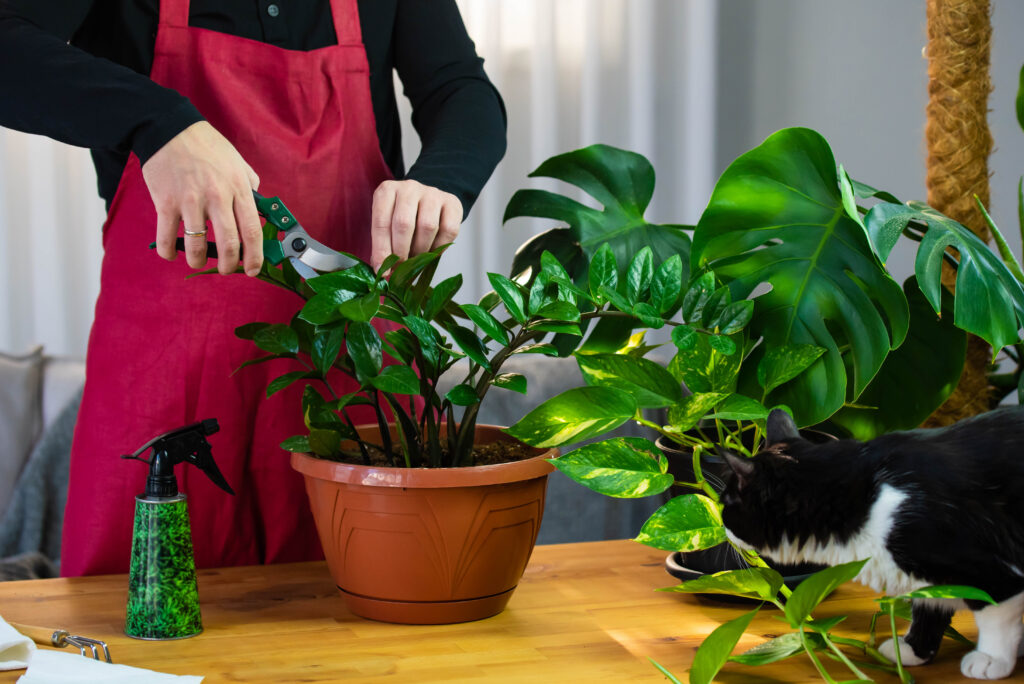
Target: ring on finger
(195, 233)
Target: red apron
(162, 348)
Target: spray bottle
(163, 599)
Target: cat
(926, 507)
(30, 565)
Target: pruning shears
(307, 254)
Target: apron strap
(174, 13)
(346, 22)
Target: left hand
(410, 218)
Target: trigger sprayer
(163, 597)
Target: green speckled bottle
(163, 599)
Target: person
(188, 108)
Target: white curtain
(638, 74)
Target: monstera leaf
(916, 378)
(777, 216)
(623, 183)
(989, 299)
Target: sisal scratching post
(959, 143)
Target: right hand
(198, 176)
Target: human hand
(410, 218)
(198, 176)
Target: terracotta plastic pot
(427, 545)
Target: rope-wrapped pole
(959, 144)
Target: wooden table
(583, 612)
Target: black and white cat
(927, 507)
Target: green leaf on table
(468, 342)
(365, 350)
(650, 384)
(916, 378)
(575, 415)
(510, 381)
(686, 523)
(667, 284)
(690, 409)
(776, 216)
(989, 300)
(639, 275)
(486, 322)
(740, 407)
(813, 590)
(756, 583)
(510, 295)
(781, 364)
(772, 651)
(716, 648)
(297, 444)
(397, 380)
(325, 348)
(624, 467)
(462, 395)
(661, 668)
(949, 591)
(277, 339)
(623, 182)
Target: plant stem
(896, 641)
(814, 658)
(842, 656)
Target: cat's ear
(781, 428)
(742, 467)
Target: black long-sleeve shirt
(95, 92)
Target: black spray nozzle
(185, 445)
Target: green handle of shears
(277, 214)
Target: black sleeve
(54, 89)
(458, 114)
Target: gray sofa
(39, 398)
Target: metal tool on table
(306, 254)
(61, 638)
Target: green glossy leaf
(1005, 253)
(756, 583)
(624, 467)
(462, 395)
(511, 381)
(781, 364)
(639, 275)
(560, 311)
(324, 443)
(357, 280)
(325, 348)
(575, 415)
(616, 300)
(684, 337)
(397, 380)
(282, 381)
(777, 216)
(989, 300)
(667, 284)
(651, 385)
(539, 348)
(716, 648)
(468, 342)
(648, 315)
(249, 330)
(849, 201)
(916, 378)
(702, 369)
(558, 241)
(813, 590)
(689, 411)
(739, 407)
(441, 295)
(427, 336)
(722, 344)
(771, 651)
(298, 444)
(623, 183)
(603, 270)
(949, 591)
(323, 307)
(696, 298)
(865, 191)
(404, 273)
(277, 339)
(1020, 99)
(365, 350)
(734, 317)
(486, 322)
(825, 625)
(715, 306)
(510, 295)
(361, 309)
(686, 523)
(403, 344)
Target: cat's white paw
(978, 665)
(907, 655)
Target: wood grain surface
(583, 612)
